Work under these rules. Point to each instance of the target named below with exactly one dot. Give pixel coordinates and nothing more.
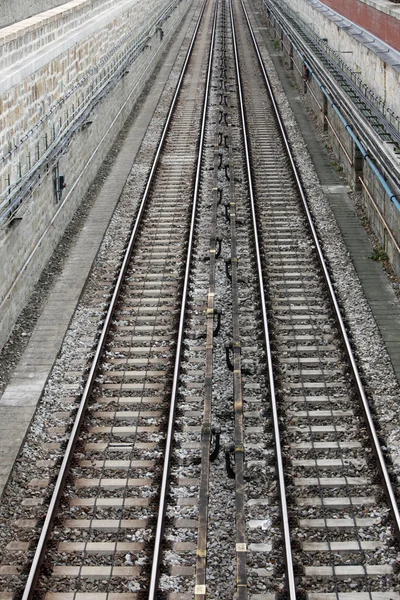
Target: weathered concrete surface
(11, 11)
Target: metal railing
(379, 157)
(376, 100)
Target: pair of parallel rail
(310, 403)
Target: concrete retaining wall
(379, 76)
(348, 156)
(66, 49)
(376, 196)
(380, 17)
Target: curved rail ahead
(360, 388)
(171, 421)
(64, 469)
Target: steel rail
(154, 577)
(290, 578)
(364, 401)
(387, 160)
(64, 469)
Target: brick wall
(379, 23)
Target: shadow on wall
(12, 12)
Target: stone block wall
(48, 70)
(62, 104)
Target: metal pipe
(382, 218)
(339, 141)
(365, 153)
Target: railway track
(222, 447)
(109, 500)
(333, 513)
(128, 441)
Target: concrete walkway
(19, 400)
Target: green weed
(379, 255)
